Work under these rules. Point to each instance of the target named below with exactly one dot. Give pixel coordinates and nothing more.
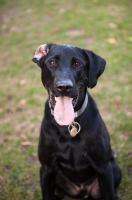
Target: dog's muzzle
(62, 108)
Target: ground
(101, 26)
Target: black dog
(74, 147)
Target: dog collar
(77, 113)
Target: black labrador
(74, 147)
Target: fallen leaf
(130, 39)
(23, 137)
(112, 25)
(111, 40)
(1, 110)
(27, 143)
(129, 113)
(23, 82)
(62, 10)
(28, 11)
(22, 102)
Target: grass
(101, 26)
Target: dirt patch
(74, 33)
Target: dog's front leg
(106, 182)
(47, 182)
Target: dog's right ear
(40, 52)
(96, 67)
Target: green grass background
(104, 27)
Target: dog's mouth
(63, 108)
(53, 99)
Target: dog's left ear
(96, 67)
(41, 51)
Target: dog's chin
(63, 107)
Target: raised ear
(96, 67)
(41, 51)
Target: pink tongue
(63, 111)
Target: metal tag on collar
(74, 129)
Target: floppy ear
(96, 67)
(41, 51)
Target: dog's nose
(65, 86)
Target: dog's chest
(74, 173)
(72, 158)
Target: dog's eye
(77, 64)
(52, 63)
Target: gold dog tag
(73, 131)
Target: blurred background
(105, 27)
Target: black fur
(70, 165)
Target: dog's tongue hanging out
(63, 111)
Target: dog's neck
(78, 112)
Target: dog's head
(66, 71)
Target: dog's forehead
(66, 49)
